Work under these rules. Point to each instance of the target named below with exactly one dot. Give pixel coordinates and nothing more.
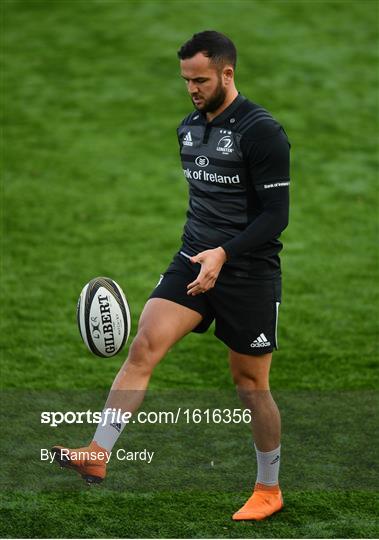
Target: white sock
(268, 466)
(109, 429)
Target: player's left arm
(269, 165)
(268, 162)
(211, 262)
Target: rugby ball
(103, 317)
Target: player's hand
(211, 262)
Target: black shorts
(245, 310)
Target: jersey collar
(220, 118)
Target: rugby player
(235, 158)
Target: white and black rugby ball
(103, 317)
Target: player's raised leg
(162, 323)
(251, 376)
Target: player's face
(204, 83)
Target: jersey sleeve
(268, 161)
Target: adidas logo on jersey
(261, 341)
(187, 140)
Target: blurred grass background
(92, 185)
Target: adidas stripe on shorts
(245, 310)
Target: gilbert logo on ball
(103, 316)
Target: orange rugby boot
(89, 461)
(265, 501)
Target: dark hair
(218, 47)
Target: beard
(214, 102)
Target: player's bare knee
(142, 353)
(250, 372)
(249, 382)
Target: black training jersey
(237, 168)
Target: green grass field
(92, 185)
